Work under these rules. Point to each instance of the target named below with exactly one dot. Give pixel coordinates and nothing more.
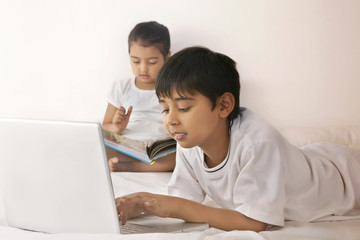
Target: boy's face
(191, 121)
(145, 63)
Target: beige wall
(299, 60)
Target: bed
(338, 228)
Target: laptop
(54, 178)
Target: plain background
(299, 60)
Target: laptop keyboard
(130, 228)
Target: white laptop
(54, 178)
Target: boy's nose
(171, 118)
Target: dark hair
(151, 34)
(198, 69)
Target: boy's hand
(121, 118)
(133, 205)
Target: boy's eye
(136, 62)
(152, 63)
(184, 109)
(165, 111)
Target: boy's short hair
(198, 69)
(149, 34)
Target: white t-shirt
(266, 178)
(146, 120)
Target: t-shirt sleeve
(114, 93)
(260, 187)
(183, 182)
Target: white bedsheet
(125, 183)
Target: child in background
(229, 153)
(133, 109)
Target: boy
(133, 109)
(256, 176)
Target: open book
(147, 151)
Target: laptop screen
(54, 177)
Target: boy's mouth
(179, 136)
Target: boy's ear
(226, 104)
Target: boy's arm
(224, 219)
(168, 206)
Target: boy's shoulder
(252, 128)
(248, 119)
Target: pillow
(349, 136)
